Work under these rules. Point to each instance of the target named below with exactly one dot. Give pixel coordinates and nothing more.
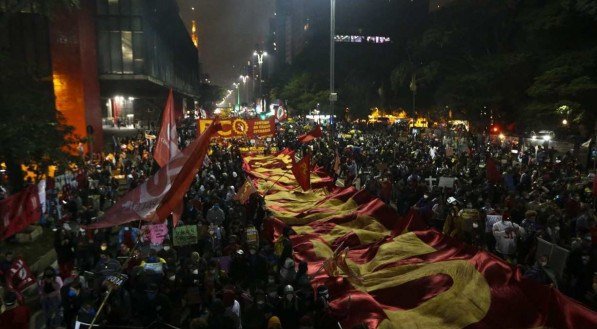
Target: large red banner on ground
(237, 127)
(384, 270)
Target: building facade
(110, 62)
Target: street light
(260, 56)
(235, 84)
(333, 95)
(244, 79)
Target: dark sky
(228, 32)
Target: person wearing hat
(15, 316)
(274, 323)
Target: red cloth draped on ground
(302, 172)
(161, 194)
(311, 135)
(166, 147)
(19, 211)
(493, 175)
(397, 274)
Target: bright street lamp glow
(564, 122)
(546, 138)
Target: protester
(224, 280)
(15, 315)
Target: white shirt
(505, 243)
(235, 308)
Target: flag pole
(276, 182)
(100, 308)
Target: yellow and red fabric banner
(238, 127)
(388, 271)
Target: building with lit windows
(110, 62)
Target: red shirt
(16, 318)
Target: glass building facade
(146, 39)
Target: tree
(210, 95)
(303, 92)
(31, 129)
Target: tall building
(111, 62)
(289, 28)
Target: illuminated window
(127, 52)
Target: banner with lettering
(383, 270)
(238, 127)
(156, 232)
(185, 235)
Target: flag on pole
(166, 147)
(183, 181)
(301, 171)
(245, 192)
(161, 194)
(311, 135)
(19, 211)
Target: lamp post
(236, 85)
(333, 95)
(260, 55)
(244, 79)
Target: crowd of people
(234, 278)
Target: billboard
(237, 127)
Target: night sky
(228, 32)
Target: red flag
(245, 192)
(301, 171)
(166, 147)
(387, 271)
(162, 193)
(182, 181)
(311, 135)
(18, 276)
(19, 211)
(493, 175)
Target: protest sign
(115, 281)
(156, 232)
(185, 235)
(446, 182)
(252, 235)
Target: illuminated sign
(362, 39)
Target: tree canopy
(523, 60)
